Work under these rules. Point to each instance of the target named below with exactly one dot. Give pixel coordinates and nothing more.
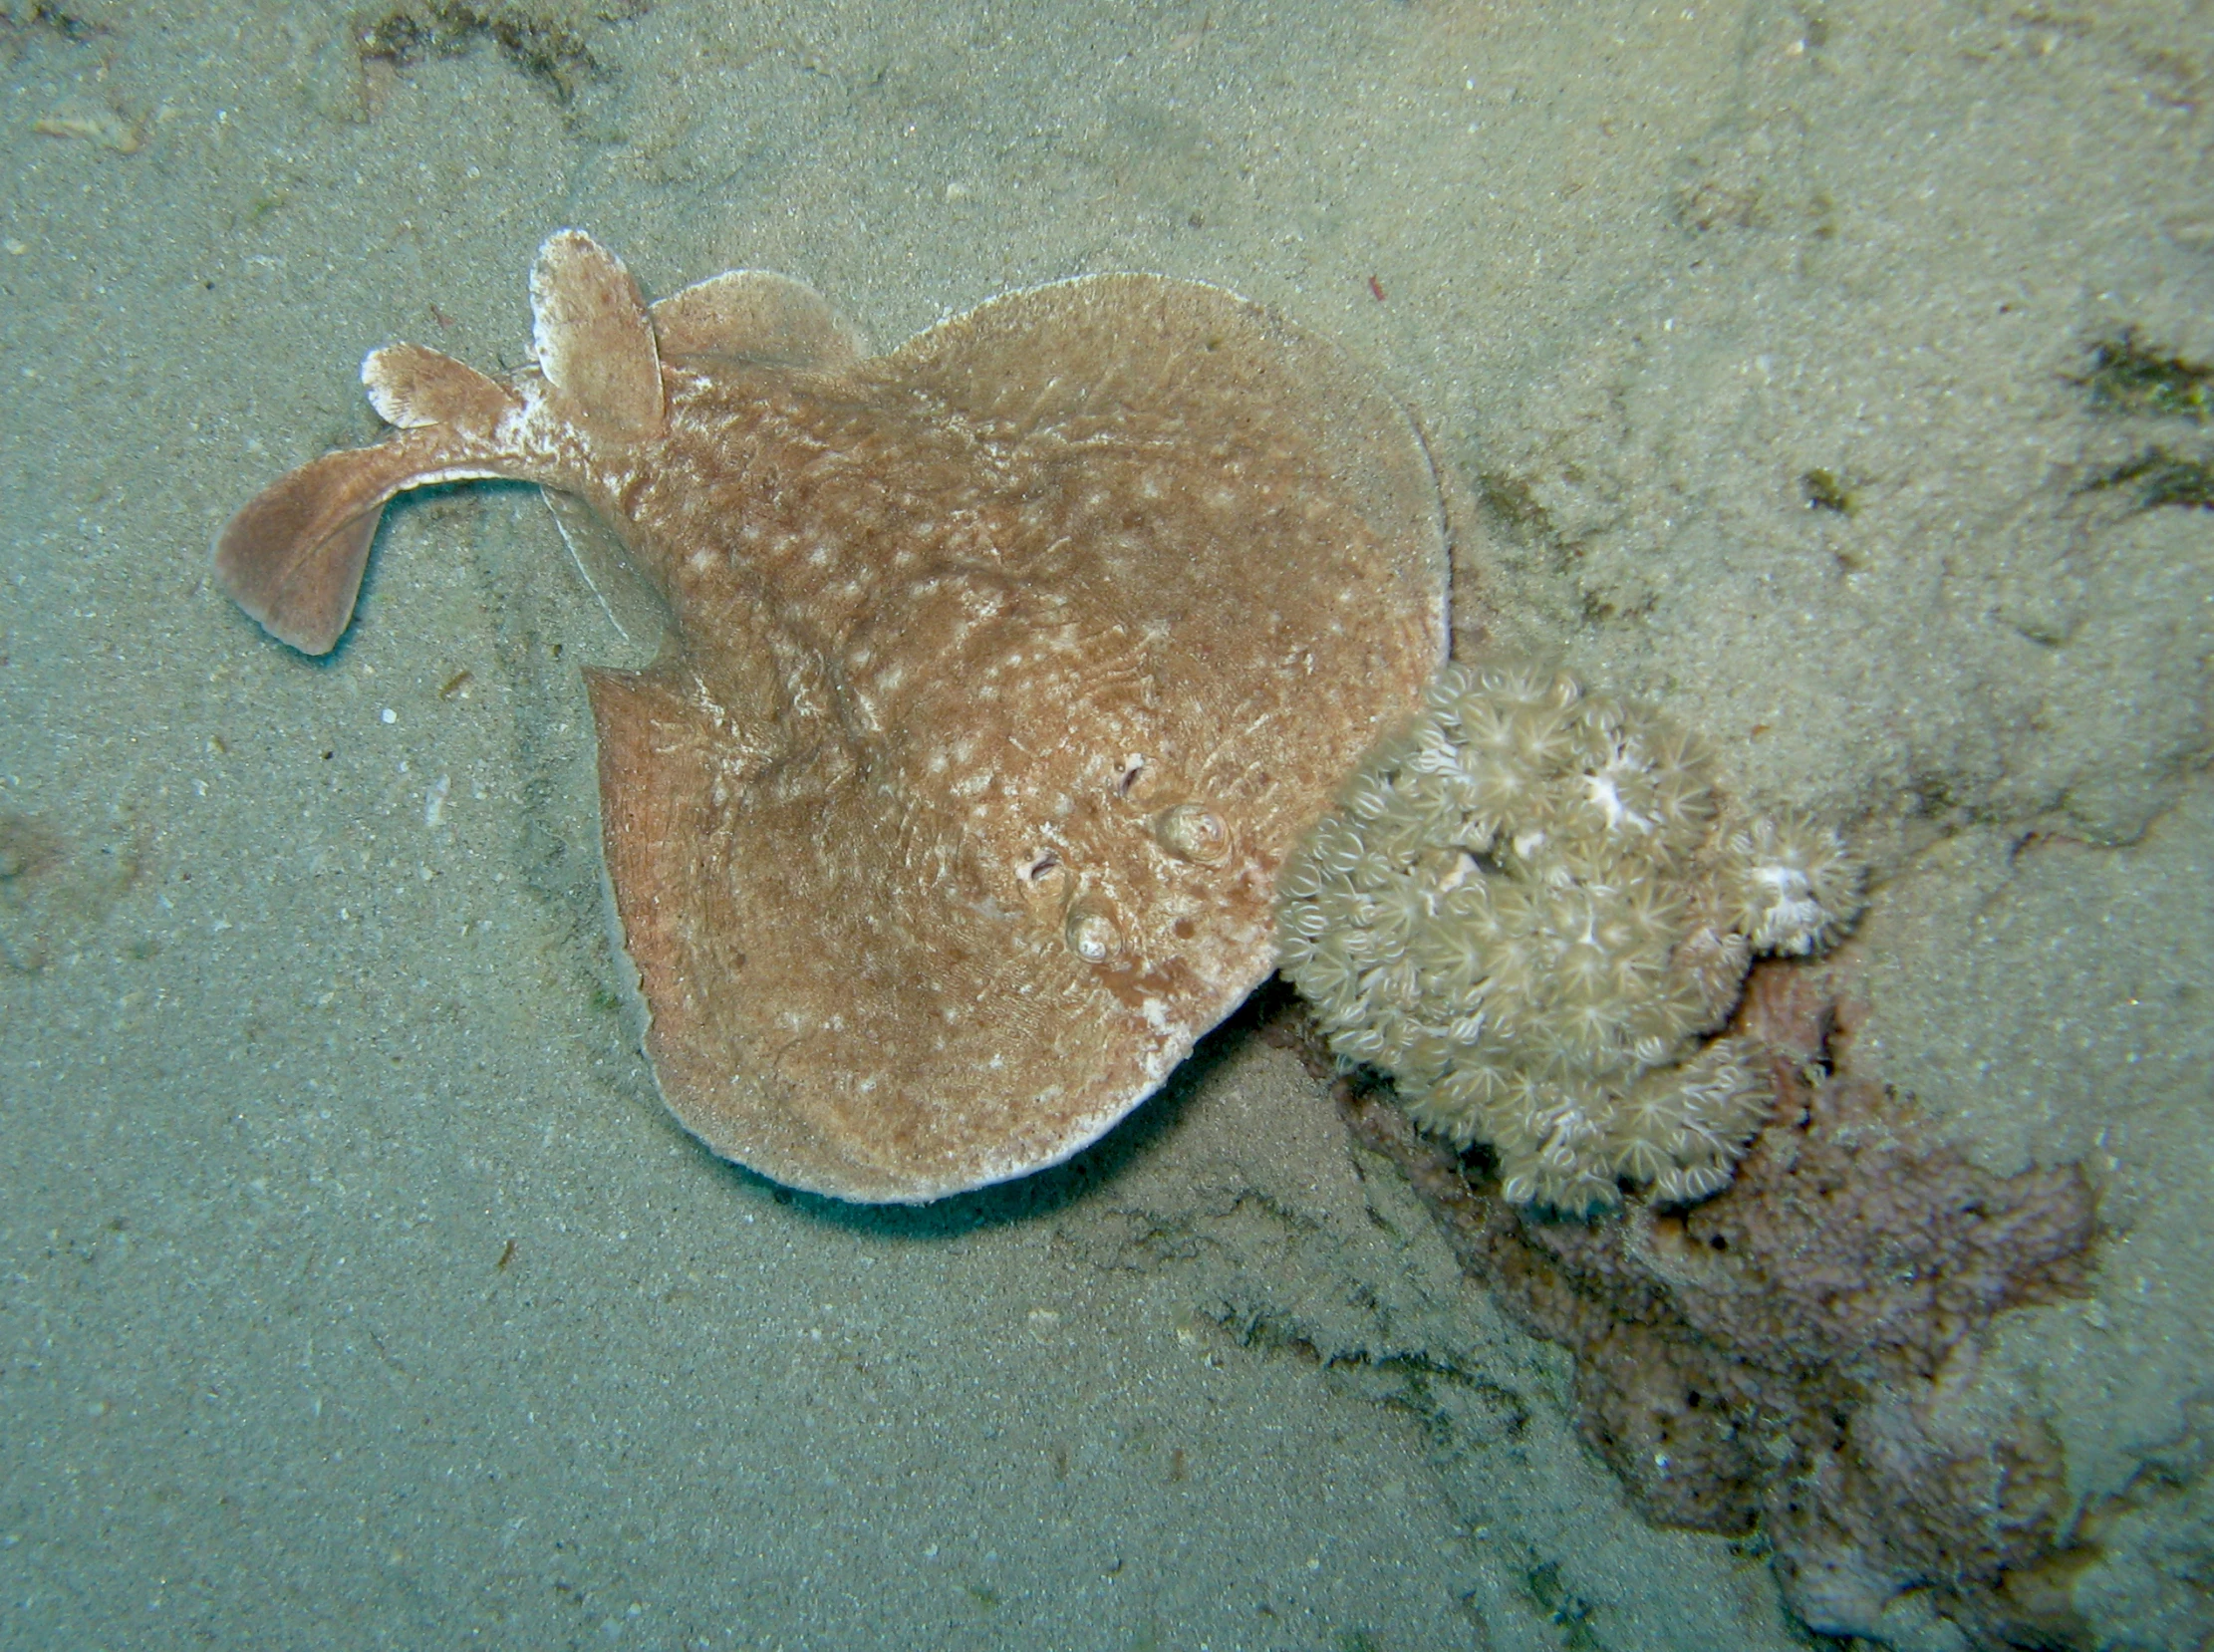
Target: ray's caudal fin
(293, 557)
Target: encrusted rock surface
(1778, 1359)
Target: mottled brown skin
(1002, 673)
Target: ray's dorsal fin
(593, 343)
(757, 316)
(413, 386)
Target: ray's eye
(1193, 832)
(1092, 933)
(1132, 768)
(1045, 863)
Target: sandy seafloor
(355, 1291)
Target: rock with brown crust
(1777, 1360)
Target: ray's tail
(293, 557)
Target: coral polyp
(1533, 908)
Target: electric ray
(999, 674)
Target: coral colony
(1533, 908)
